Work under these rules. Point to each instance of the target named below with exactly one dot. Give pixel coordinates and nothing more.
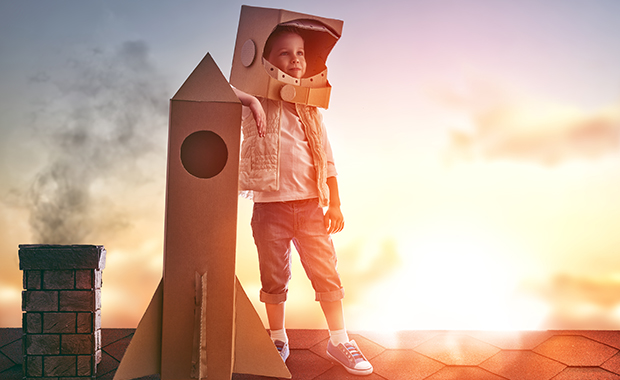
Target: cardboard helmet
(252, 73)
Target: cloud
(503, 126)
(381, 265)
(98, 123)
(580, 302)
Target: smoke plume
(104, 120)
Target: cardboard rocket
(200, 323)
(255, 75)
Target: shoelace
(280, 346)
(354, 352)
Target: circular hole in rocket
(204, 154)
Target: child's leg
(333, 314)
(275, 315)
(272, 229)
(318, 257)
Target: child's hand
(334, 220)
(259, 116)
(257, 110)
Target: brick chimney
(62, 310)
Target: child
(292, 176)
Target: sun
(458, 277)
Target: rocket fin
(255, 353)
(143, 355)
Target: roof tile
(613, 364)
(13, 373)
(404, 365)
(9, 335)
(575, 350)
(304, 338)
(306, 365)
(107, 376)
(457, 349)
(107, 364)
(590, 373)
(14, 351)
(109, 336)
(522, 365)
(512, 340)
(118, 348)
(400, 340)
(526, 355)
(610, 338)
(463, 373)
(5, 363)
(339, 373)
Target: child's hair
(280, 30)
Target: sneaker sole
(350, 370)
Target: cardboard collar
(312, 91)
(318, 80)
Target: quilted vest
(259, 165)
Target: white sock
(338, 336)
(279, 335)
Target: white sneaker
(350, 357)
(282, 349)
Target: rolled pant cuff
(332, 296)
(272, 298)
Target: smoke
(101, 124)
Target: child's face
(288, 55)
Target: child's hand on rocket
(259, 116)
(257, 110)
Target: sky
(477, 144)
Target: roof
(410, 355)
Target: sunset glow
(477, 144)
